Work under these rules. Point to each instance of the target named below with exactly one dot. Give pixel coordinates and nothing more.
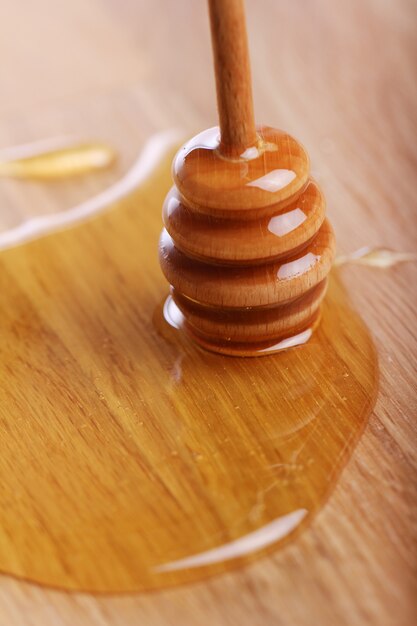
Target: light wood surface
(350, 99)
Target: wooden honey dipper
(246, 246)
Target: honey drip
(246, 246)
(131, 459)
(54, 159)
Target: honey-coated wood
(254, 248)
(353, 109)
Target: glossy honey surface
(132, 459)
(246, 246)
(272, 172)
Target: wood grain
(233, 79)
(328, 80)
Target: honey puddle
(132, 459)
(54, 158)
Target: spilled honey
(54, 159)
(131, 458)
(375, 257)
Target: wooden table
(341, 79)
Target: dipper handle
(233, 76)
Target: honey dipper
(246, 246)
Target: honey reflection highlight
(253, 542)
